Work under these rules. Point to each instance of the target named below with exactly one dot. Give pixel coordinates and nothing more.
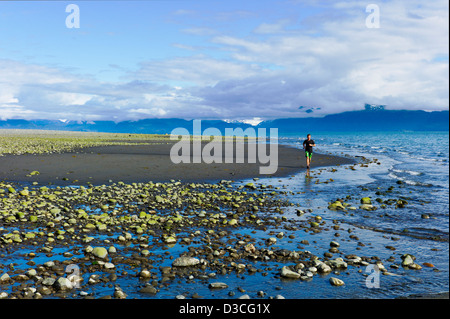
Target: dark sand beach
(143, 163)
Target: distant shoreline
(143, 163)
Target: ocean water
(415, 167)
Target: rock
(232, 222)
(271, 241)
(93, 279)
(3, 295)
(336, 282)
(334, 244)
(149, 290)
(428, 265)
(366, 200)
(218, 285)
(24, 192)
(145, 252)
(100, 252)
(185, 262)
(250, 248)
(170, 240)
(244, 297)
(31, 273)
(288, 273)
(337, 205)
(407, 260)
(144, 274)
(415, 266)
(323, 268)
(4, 278)
(63, 284)
(367, 207)
(119, 293)
(337, 263)
(109, 266)
(49, 281)
(33, 218)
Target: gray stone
(336, 282)
(119, 294)
(323, 268)
(185, 262)
(5, 278)
(49, 281)
(334, 244)
(407, 260)
(63, 284)
(337, 263)
(218, 285)
(149, 290)
(288, 273)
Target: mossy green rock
(30, 235)
(366, 200)
(100, 252)
(20, 215)
(24, 192)
(337, 205)
(55, 211)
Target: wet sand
(143, 163)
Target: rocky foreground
(74, 241)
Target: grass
(18, 142)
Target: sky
(246, 60)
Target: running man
(308, 147)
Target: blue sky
(239, 60)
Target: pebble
(336, 282)
(288, 273)
(218, 285)
(334, 244)
(149, 289)
(63, 284)
(119, 293)
(100, 252)
(185, 262)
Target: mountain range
(365, 120)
